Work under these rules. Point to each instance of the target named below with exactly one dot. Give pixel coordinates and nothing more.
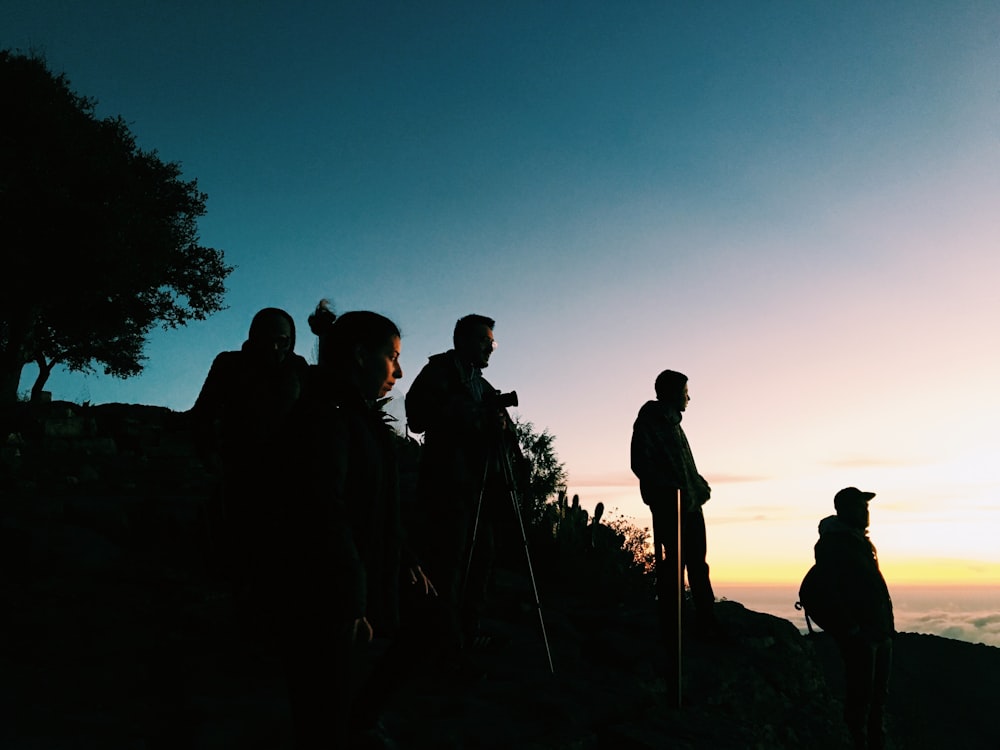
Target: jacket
(243, 402)
(661, 457)
(341, 532)
(445, 403)
(847, 555)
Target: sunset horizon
(794, 205)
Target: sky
(794, 203)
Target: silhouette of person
(341, 554)
(236, 417)
(467, 434)
(865, 639)
(662, 460)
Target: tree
(100, 237)
(546, 473)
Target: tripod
(503, 456)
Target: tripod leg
(515, 501)
(475, 527)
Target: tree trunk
(14, 332)
(44, 370)
(10, 379)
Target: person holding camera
(468, 440)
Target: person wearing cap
(865, 638)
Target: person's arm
(706, 489)
(207, 410)
(409, 560)
(328, 500)
(217, 390)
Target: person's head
(852, 507)
(360, 346)
(473, 339)
(272, 334)
(671, 388)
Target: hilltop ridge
(115, 636)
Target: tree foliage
(545, 475)
(100, 237)
(636, 541)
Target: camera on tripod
(498, 400)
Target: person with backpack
(864, 627)
(462, 490)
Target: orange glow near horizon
(744, 550)
(910, 572)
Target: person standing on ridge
(866, 626)
(662, 460)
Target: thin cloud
(873, 463)
(628, 479)
(974, 627)
(721, 512)
(735, 478)
(987, 622)
(598, 481)
(740, 519)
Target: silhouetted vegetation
(546, 472)
(100, 236)
(120, 638)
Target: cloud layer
(974, 627)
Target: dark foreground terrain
(114, 636)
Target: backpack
(822, 600)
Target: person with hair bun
(342, 551)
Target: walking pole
(669, 593)
(509, 478)
(678, 593)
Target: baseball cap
(851, 495)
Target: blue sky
(795, 203)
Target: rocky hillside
(116, 635)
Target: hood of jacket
(835, 525)
(267, 312)
(660, 410)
